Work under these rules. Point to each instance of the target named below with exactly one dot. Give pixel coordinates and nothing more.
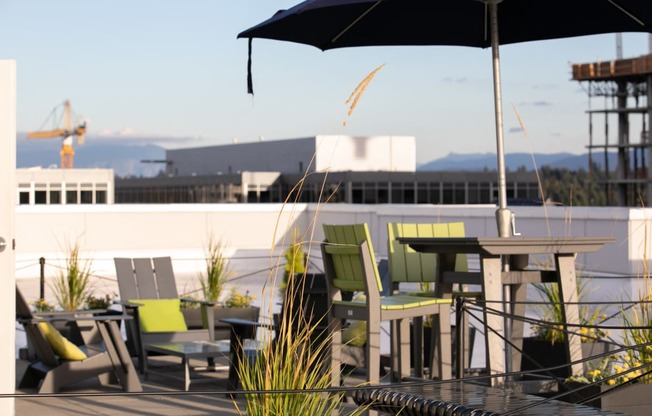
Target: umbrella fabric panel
(328, 24)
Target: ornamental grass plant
(291, 374)
(551, 315)
(217, 272)
(72, 286)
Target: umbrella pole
(503, 215)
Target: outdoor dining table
(504, 261)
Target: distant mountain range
(513, 161)
(124, 156)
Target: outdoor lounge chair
(350, 266)
(150, 283)
(59, 363)
(410, 266)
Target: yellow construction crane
(67, 132)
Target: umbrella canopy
(329, 24)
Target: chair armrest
(200, 301)
(69, 313)
(130, 305)
(238, 322)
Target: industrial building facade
(349, 187)
(358, 170)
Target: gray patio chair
(410, 266)
(141, 280)
(350, 266)
(59, 363)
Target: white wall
(126, 229)
(7, 206)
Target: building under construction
(623, 90)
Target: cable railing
(475, 308)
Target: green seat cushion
(65, 349)
(406, 302)
(160, 315)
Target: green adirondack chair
(350, 266)
(410, 266)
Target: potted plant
(72, 286)
(213, 282)
(546, 348)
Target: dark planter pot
(222, 330)
(548, 355)
(578, 392)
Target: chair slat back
(146, 278)
(144, 274)
(407, 265)
(167, 288)
(127, 286)
(343, 246)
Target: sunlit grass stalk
(536, 169)
(359, 90)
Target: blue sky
(175, 69)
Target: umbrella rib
(346, 29)
(622, 9)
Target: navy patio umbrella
(329, 24)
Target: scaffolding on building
(625, 85)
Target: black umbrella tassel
(250, 82)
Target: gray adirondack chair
(106, 361)
(350, 266)
(153, 278)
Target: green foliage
(638, 331)
(295, 259)
(41, 305)
(551, 314)
(576, 188)
(93, 302)
(71, 286)
(239, 300)
(217, 271)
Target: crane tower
(67, 132)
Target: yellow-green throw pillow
(355, 334)
(60, 345)
(160, 315)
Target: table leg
(418, 345)
(491, 268)
(517, 308)
(565, 264)
(236, 355)
(186, 374)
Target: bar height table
(514, 252)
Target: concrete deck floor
(161, 396)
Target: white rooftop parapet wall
(132, 230)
